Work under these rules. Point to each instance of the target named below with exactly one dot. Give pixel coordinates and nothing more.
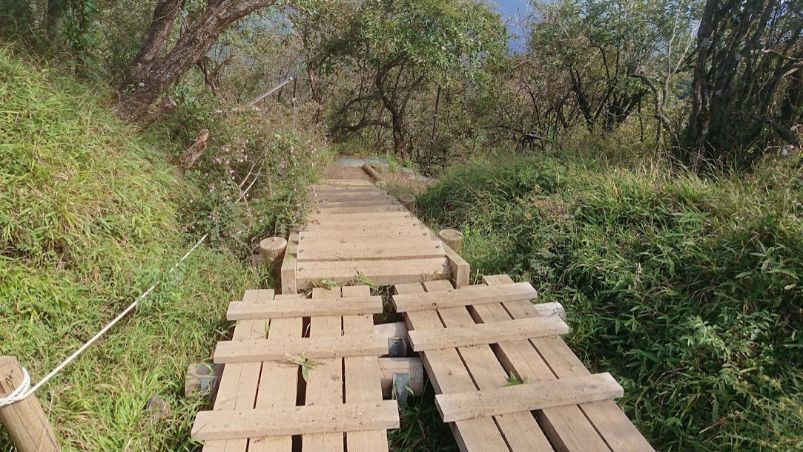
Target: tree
(747, 90)
(598, 43)
(397, 47)
(156, 68)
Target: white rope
(25, 389)
(20, 392)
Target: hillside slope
(89, 216)
(686, 289)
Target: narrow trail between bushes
(303, 369)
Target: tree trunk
(154, 71)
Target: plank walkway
(264, 402)
(359, 233)
(553, 403)
(303, 373)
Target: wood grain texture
(469, 295)
(490, 333)
(304, 308)
(528, 397)
(310, 347)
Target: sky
(514, 13)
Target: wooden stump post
(272, 249)
(408, 201)
(25, 421)
(453, 238)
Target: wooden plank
(487, 333)
(362, 377)
(325, 385)
(239, 382)
(288, 270)
(365, 210)
(372, 243)
(344, 182)
(354, 235)
(361, 217)
(318, 348)
(520, 430)
(448, 374)
(461, 270)
(297, 420)
(527, 397)
(592, 426)
(413, 251)
(378, 272)
(304, 308)
(470, 295)
(278, 381)
(358, 202)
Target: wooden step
(304, 308)
(309, 347)
(527, 397)
(487, 333)
(378, 272)
(466, 296)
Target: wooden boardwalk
(303, 373)
(357, 232)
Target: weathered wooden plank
(278, 381)
(317, 348)
(412, 251)
(528, 397)
(487, 333)
(288, 270)
(378, 272)
(357, 202)
(362, 377)
(325, 385)
(304, 308)
(353, 236)
(321, 211)
(448, 374)
(297, 420)
(461, 270)
(239, 382)
(470, 295)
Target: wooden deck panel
(343, 398)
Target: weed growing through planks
(513, 380)
(305, 363)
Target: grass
(686, 289)
(90, 214)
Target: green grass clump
(686, 289)
(89, 218)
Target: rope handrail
(24, 390)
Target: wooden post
(408, 201)
(453, 238)
(25, 421)
(272, 248)
(371, 171)
(388, 367)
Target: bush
(687, 290)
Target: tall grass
(688, 290)
(89, 216)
